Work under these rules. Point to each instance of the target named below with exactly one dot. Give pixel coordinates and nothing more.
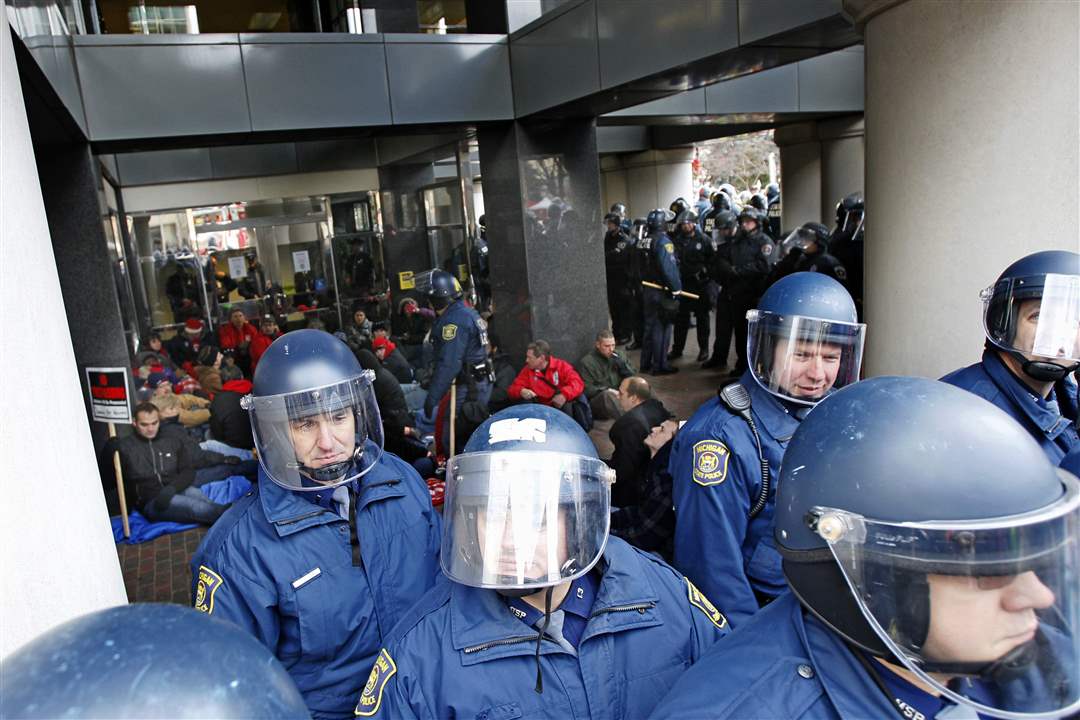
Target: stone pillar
(970, 107)
(800, 174)
(547, 266)
(63, 565)
(843, 162)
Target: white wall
(966, 103)
(843, 163)
(800, 168)
(59, 559)
(648, 180)
(216, 192)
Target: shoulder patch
(669, 247)
(767, 249)
(841, 273)
(710, 462)
(209, 582)
(449, 331)
(698, 600)
(370, 700)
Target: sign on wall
(300, 261)
(109, 394)
(406, 281)
(237, 267)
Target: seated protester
(1031, 317)
(337, 540)
(399, 435)
(630, 459)
(208, 369)
(537, 616)
(505, 373)
(602, 370)
(237, 335)
(188, 410)
(229, 369)
(805, 342)
(931, 550)
(154, 354)
(229, 422)
(184, 347)
(392, 359)
(358, 332)
(545, 379)
(268, 333)
(411, 326)
(162, 468)
(650, 525)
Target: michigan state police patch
(710, 462)
(449, 331)
(698, 600)
(370, 700)
(208, 584)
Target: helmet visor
(1038, 315)
(319, 437)
(803, 359)
(524, 520)
(985, 612)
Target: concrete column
(800, 174)
(843, 162)
(62, 565)
(656, 177)
(967, 102)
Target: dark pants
(731, 319)
(247, 468)
(724, 328)
(622, 325)
(657, 333)
(700, 309)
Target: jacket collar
(480, 616)
(779, 423)
(289, 512)
(1051, 423)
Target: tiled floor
(158, 571)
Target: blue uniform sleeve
(454, 342)
(712, 505)
(389, 694)
(220, 590)
(668, 264)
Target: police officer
(742, 269)
(694, 251)
(678, 207)
(336, 540)
(1031, 317)
(807, 250)
(481, 264)
(719, 203)
(624, 218)
(617, 251)
(847, 243)
(635, 274)
(660, 267)
(725, 227)
(773, 210)
(805, 342)
(459, 337)
(932, 554)
(540, 613)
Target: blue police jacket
(668, 262)
(459, 338)
(716, 477)
(462, 652)
(1055, 431)
(281, 567)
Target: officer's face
(606, 347)
(528, 543)
(748, 225)
(982, 619)
(323, 439)
(147, 424)
(1027, 324)
(805, 369)
(687, 228)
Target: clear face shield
(798, 239)
(985, 612)
(803, 359)
(524, 520)
(320, 437)
(1035, 316)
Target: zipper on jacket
(305, 516)
(506, 641)
(640, 607)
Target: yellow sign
(405, 280)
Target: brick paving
(159, 571)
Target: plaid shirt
(650, 526)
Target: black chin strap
(1043, 370)
(540, 637)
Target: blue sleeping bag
(142, 530)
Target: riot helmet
(685, 217)
(729, 190)
(527, 503)
(147, 660)
(658, 219)
(772, 192)
(440, 287)
(804, 340)
(720, 201)
(618, 209)
(850, 214)
(758, 201)
(727, 221)
(313, 412)
(678, 205)
(926, 527)
(749, 212)
(806, 236)
(613, 218)
(1032, 313)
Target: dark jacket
(742, 265)
(388, 394)
(229, 422)
(182, 349)
(631, 458)
(505, 373)
(398, 366)
(162, 467)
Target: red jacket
(230, 337)
(258, 346)
(559, 373)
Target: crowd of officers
(682, 263)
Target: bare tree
(739, 160)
